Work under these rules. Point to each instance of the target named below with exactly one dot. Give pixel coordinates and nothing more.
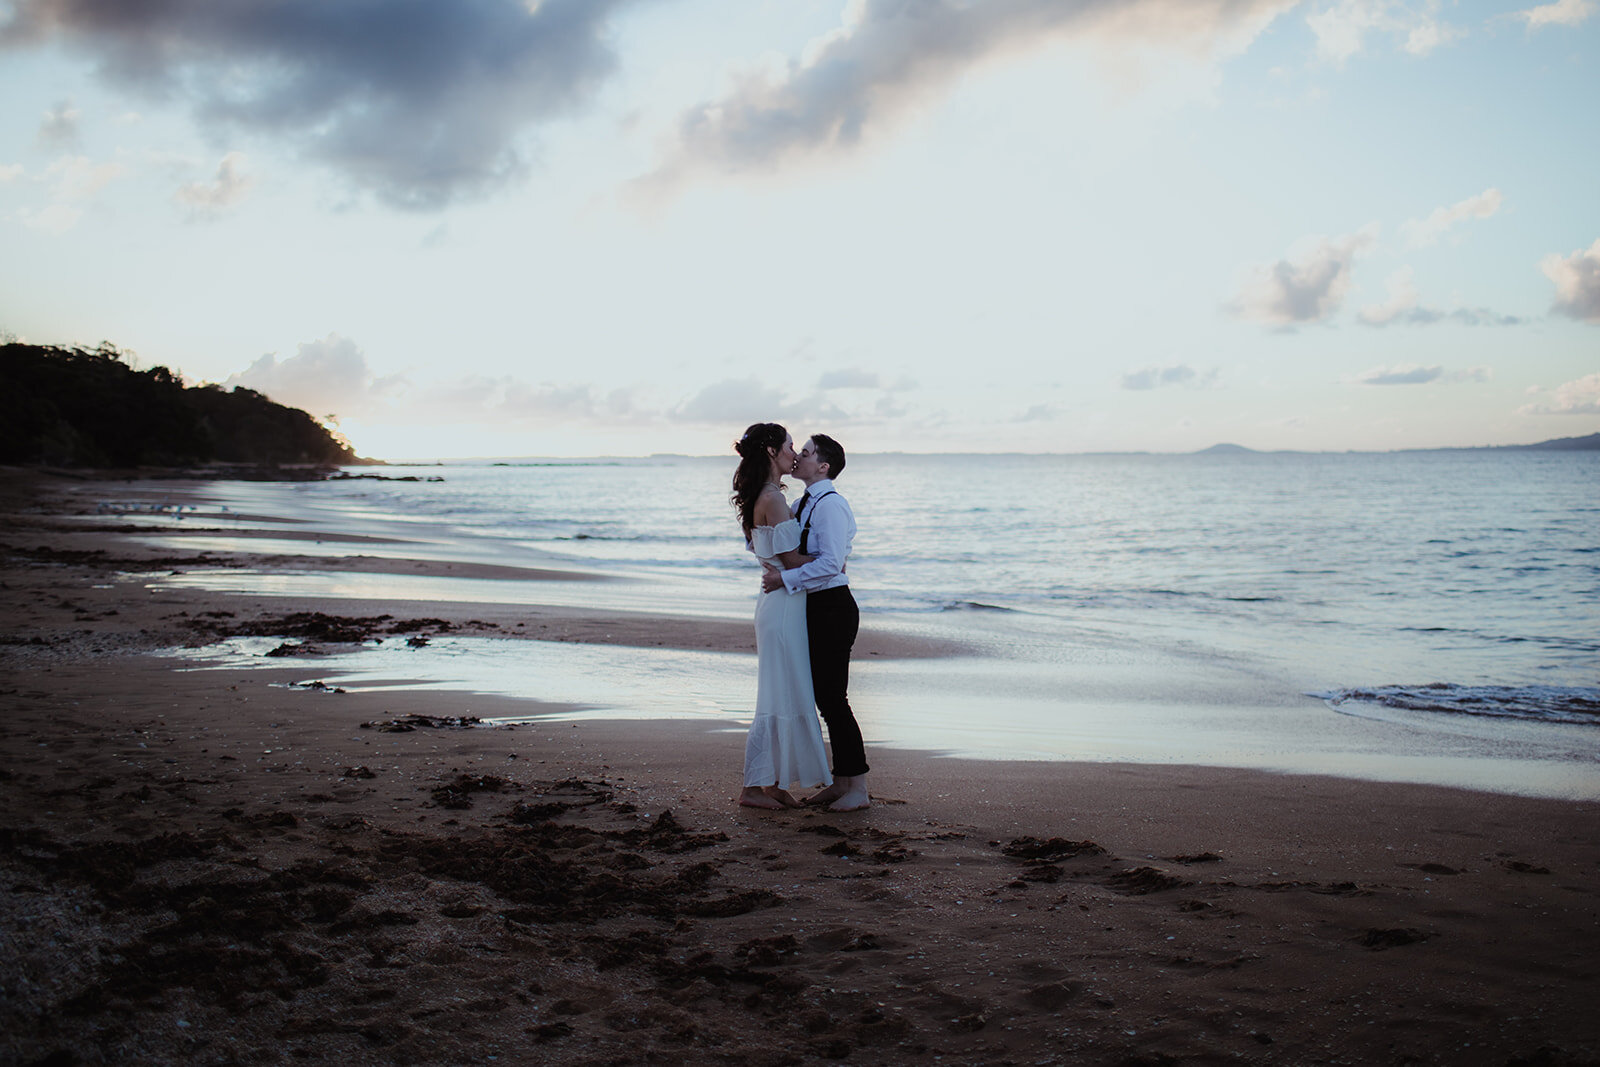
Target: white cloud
(1580, 397)
(848, 379)
(10, 171)
(1342, 27)
(58, 127)
(744, 401)
(1306, 286)
(1041, 413)
(226, 188)
(1403, 306)
(1412, 374)
(1577, 281)
(888, 56)
(1409, 374)
(1180, 374)
(73, 182)
(1426, 231)
(326, 377)
(1560, 13)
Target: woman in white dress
(784, 747)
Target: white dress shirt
(833, 529)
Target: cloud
(848, 379)
(888, 56)
(506, 400)
(1041, 413)
(228, 187)
(1580, 397)
(1403, 306)
(58, 128)
(1407, 375)
(1342, 27)
(325, 377)
(1560, 13)
(73, 182)
(1156, 377)
(10, 171)
(1411, 374)
(1426, 231)
(1577, 281)
(1307, 286)
(744, 401)
(420, 103)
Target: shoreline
(210, 865)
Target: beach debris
(1139, 881)
(262, 820)
(417, 642)
(296, 648)
(767, 951)
(1378, 939)
(563, 796)
(458, 793)
(1050, 850)
(362, 771)
(319, 686)
(404, 724)
(1198, 857)
(313, 626)
(1524, 868)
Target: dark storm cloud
(419, 101)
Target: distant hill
(73, 407)
(1591, 443)
(1559, 444)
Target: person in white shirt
(828, 527)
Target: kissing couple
(806, 622)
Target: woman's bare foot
(753, 796)
(769, 797)
(782, 796)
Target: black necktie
(800, 505)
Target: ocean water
(1446, 599)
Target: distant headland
(1589, 443)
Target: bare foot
(753, 796)
(855, 795)
(828, 795)
(782, 796)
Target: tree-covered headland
(74, 407)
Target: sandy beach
(220, 866)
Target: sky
(625, 227)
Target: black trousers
(832, 620)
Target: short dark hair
(830, 452)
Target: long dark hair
(755, 468)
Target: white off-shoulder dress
(785, 742)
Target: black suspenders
(805, 532)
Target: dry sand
(204, 866)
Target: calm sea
(1471, 578)
(1438, 594)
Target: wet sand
(217, 867)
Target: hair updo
(755, 467)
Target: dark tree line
(77, 407)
